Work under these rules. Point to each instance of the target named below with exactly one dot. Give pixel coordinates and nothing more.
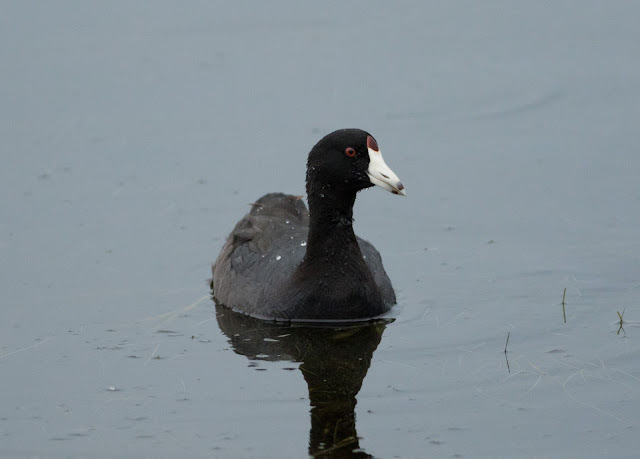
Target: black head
(349, 160)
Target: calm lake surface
(134, 135)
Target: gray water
(134, 135)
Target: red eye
(350, 152)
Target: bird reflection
(334, 361)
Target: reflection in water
(334, 361)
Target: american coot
(286, 263)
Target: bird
(286, 263)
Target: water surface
(135, 135)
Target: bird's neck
(331, 235)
